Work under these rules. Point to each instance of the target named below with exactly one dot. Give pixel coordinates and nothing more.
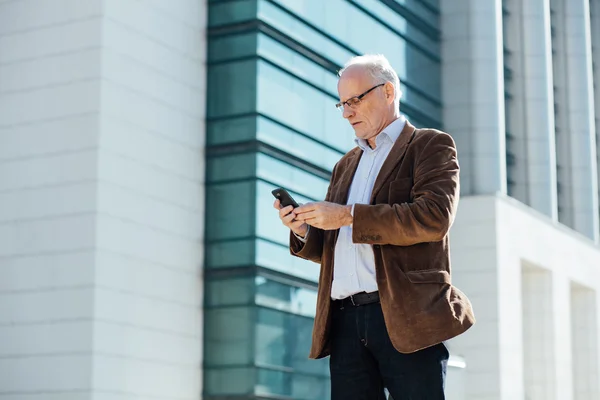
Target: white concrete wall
(475, 270)
(101, 199)
(456, 383)
(495, 244)
(49, 129)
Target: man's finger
(307, 207)
(285, 211)
(308, 215)
(276, 204)
(288, 218)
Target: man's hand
(324, 215)
(287, 215)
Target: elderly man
(385, 302)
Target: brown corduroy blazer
(412, 207)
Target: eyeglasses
(353, 102)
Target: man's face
(369, 116)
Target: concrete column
(595, 36)
(561, 310)
(538, 335)
(576, 132)
(584, 331)
(531, 109)
(473, 91)
(101, 199)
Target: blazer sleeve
(312, 249)
(435, 199)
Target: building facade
(140, 256)
(271, 122)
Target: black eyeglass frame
(356, 99)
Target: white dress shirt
(354, 263)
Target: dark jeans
(363, 360)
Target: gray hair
(379, 68)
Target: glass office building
(271, 121)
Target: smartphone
(284, 197)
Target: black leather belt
(360, 299)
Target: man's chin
(358, 131)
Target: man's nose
(348, 112)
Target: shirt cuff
(305, 238)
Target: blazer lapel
(393, 158)
(342, 190)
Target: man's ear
(389, 92)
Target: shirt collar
(390, 132)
